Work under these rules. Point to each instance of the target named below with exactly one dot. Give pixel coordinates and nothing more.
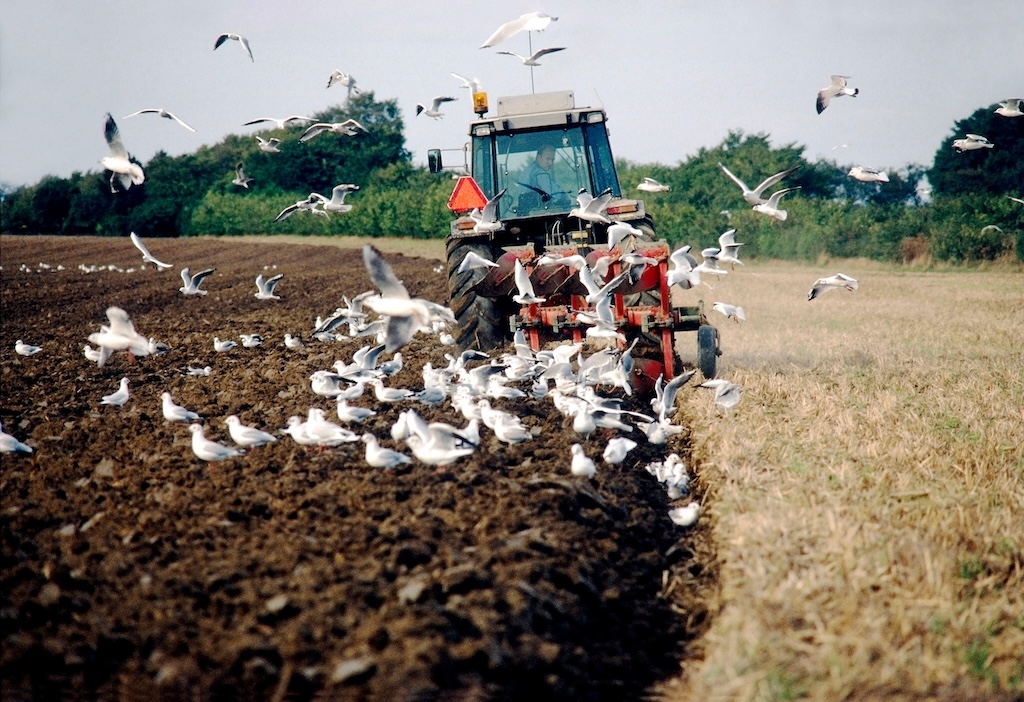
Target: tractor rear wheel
(481, 323)
(707, 350)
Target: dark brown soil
(130, 568)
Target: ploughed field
(131, 568)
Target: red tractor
(542, 221)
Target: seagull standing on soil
(208, 450)
(9, 444)
(223, 346)
(236, 37)
(163, 113)
(381, 457)
(837, 88)
(23, 349)
(581, 466)
(247, 436)
(685, 516)
(753, 196)
(435, 106)
(192, 282)
(617, 448)
(147, 257)
(118, 397)
(835, 282)
(176, 413)
(251, 341)
(265, 287)
(122, 170)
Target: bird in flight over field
(435, 107)
(163, 113)
(836, 88)
(236, 37)
(531, 60)
(530, 22)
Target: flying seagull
(524, 287)
(163, 113)
(269, 145)
(1010, 108)
(147, 257)
(531, 60)
(339, 77)
(309, 204)
(435, 107)
(771, 207)
(486, 221)
(349, 127)
(868, 175)
(123, 171)
(240, 177)
(650, 185)
(472, 84)
(283, 122)
(265, 287)
(972, 142)
(337, 201)
(192, 282)
(236, 37)
(753, 197)
(835, 282)
(530, 22)
(836, 88)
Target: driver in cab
(539, 178)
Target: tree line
(967, 215)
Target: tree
(995, 171)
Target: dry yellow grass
(867, 495)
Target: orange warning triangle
(466, 196)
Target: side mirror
(434, 160)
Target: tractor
(536, 223)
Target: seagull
(208, 450)
(591, 208)
(236, 37)
(157, 348)
(223, 346)
(472, 84)
(192, 282)
(147, 257)
(91, 354)
(664, 401)
(292, 342)
(326, 432)
(251, 341)
(269, 145)
(487, 220)
(581, 466)
(530, 22)
(265, 287)
(163, 113)
(240, 177)
(685, 516)
(771, 207)
(337, 201)
(199, 371)
(823, 285)
(339, 77)
(836, 88)
(621, 230)
(684, 271)
(753, 197)
(381, 457)
(709, 266)
(8, 444)
(1010, 108)
(247, 436)
(349, 127)
(119, 335)
(119, 163)
(868, 175)
(650, 185)
(435, 106)
(727, 395)
(473, 261)
(524, 287)
(283, 122)
(1016, 199)
(972, 142)
(118, 397)
(730, 311)
(351, 413)
(617, 448)
(176, 413)
(729, 248)
(309, 205)
(531, 60)
(405, 315)
(26, 349)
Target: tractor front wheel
(481, 323)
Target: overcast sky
(673, 76)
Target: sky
(673, 76)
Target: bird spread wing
(382, 275)
(113, 137)
(734, 179)
(439, 100)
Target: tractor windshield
(542, 171)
